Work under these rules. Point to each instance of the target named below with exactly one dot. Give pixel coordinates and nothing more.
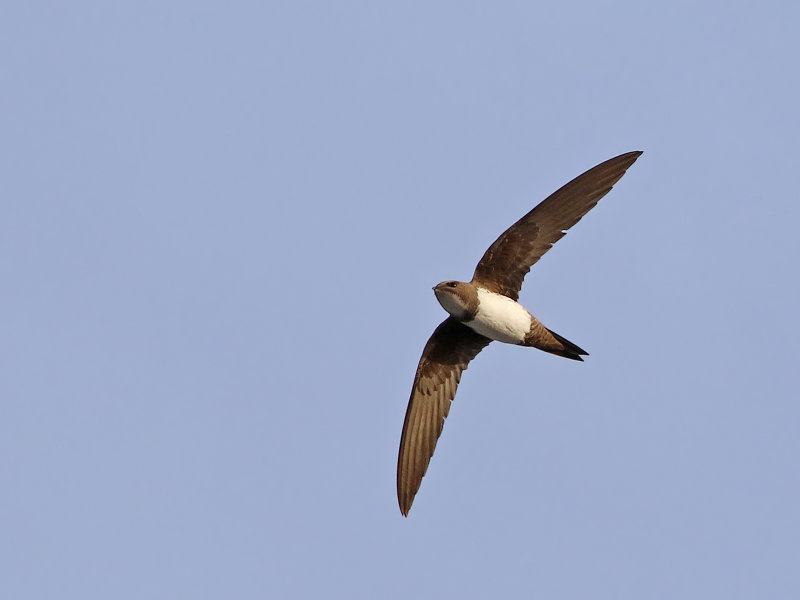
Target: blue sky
(221, 223)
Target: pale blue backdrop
(220, 225)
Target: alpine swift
(486, 309)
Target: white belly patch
(500, 318)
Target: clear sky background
(220, 226)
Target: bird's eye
(452, 283)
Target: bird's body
(500, 318)
(486, 309)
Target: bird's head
(458, 298)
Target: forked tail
(567, 350)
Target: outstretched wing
(508, 260)
(445, 356)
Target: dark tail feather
(570, 350)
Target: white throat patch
(452, 303)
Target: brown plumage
(505, 264)
(456, 341)
(445, 356)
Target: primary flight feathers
(486, 309)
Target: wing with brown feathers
(444, 358)
(508, 260)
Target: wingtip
(632, 155)
(620, 164)
(404, 499)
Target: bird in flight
(486, 309)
